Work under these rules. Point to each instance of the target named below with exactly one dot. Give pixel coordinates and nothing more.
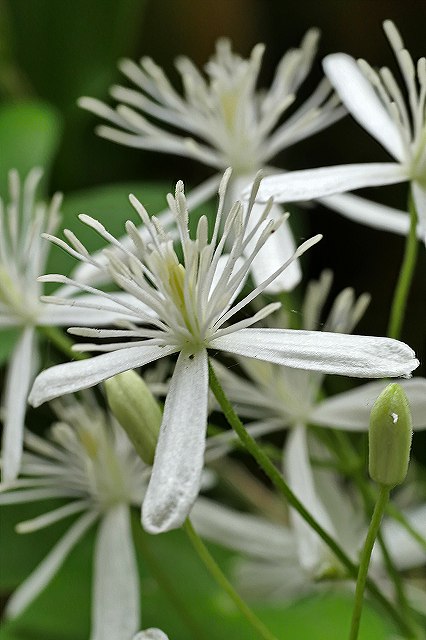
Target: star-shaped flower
(222, 119)
(23, 255)
(88, 461)
(191, 301)
(378, 104)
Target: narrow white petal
(373, 214)
(95, 311)
(299, 474)
(326, 181)
(151, 634)
(404, 550)
(279, 247)
(277, 250)
(356, 356)
(45, 571)
(179, 457)
(116, 599)
(359, 97)
(18, 380)
(419, 197)
(242, 532)
(74, 376)
(351, 409)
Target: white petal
(74, 376)
(242, 532)
(351, 409)
(326, 181)
(361, 100)
(151, 634)
(116, 600)
(179, 457)
(18, 380)
(356, 356)
(298, 471)
(47, 568)
(277, 250)
(419, 197)
(373, 214)
(96, 311)
(404, 550)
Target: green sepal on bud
(390, 437)
(136, 409)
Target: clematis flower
(23, 257)
(222, 120)
(377, 103)
(191, 303)
(278, 397)
(89, 462)
(275, 571)
(151, 634)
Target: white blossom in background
(379, 105)
(274, 571)
(222, 120)
(151, 634)
(89, 462)
(278, 397)
(23, 255)
(191, 303)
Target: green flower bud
(390, 437)
(136, 409)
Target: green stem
(165, 584)
(347, 451)
(278, 481)
(373, 530)
(217, 573)
(405, 276)
(61, 342)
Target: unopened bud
(136, 409)
(390, 437)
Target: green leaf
(29, 137)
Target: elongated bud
(390, 437)
(136, 409)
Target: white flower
(274, 571)
(191, 303)
(277, 397)
(378, 104)
(89, 462)
(23, 257)
(223, 120)
(151, 634)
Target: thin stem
(166, 585)
(278, 481)
(347, 451)
(61, 342)
(405, 275)
(217, 573)
(372, 532)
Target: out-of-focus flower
(223, 120)
(88, 461)
(278, 397)
(378, 104)
(23, 255)
(151, 634)
(190, 304)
